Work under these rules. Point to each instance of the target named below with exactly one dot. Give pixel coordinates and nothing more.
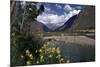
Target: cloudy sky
(55, 15)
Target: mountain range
(83, 21)
(65, 26)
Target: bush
(20, 44)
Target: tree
(21, 41)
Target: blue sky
(55, 15)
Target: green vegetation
(46, 55)
(20, 43)
(86, 31)
(29, 50)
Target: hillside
(85, 20)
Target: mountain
(85, 20)
(33, 26)
(36, 26)
(46, 29)
(66, 25)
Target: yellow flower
(44, 45)
(30, 55)
(48, 42)
(40, 50)
(58, 50)
(50, 56)
(22, 56)
(13, 34)
(49, 50)
(68, 61)
(41, 57)
(61, 60)
(37, 62)
(36, 51)
(28, 62)
(27, 52)
(58, 56)
(53, 50)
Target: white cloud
(47, 9)
(74, 10)
(68, 8)
(58, 6)
(78, 7)
(72, 13)
(53, 21)
(38, 5)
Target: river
(74, 48)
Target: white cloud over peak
(53, 21)
(72, 13)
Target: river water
(81, 49)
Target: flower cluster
(47, 55)
(50, 55)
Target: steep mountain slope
(64, 27)
(85, 20)
(67, 25)
(36, 26)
